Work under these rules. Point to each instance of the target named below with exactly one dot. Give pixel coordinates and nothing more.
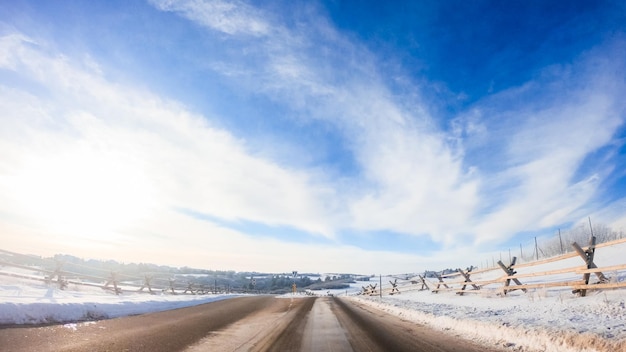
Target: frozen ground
(32, 302)
(539, 320)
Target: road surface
(256, 323)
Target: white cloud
(101, 156)
(409, 172)
(418, 185)
(419, 180)
(98, 162)
(553, 124)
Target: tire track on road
(261, 331)
(373, 330)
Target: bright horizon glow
(319, 137)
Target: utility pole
(561, 241)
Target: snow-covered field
(539, 320)
(32, 302)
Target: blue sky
(311, 136)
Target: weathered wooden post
(440, 283)
(113, 280)
(61, 282)
(371, 289)
(189, 288)
(424, 284)
(394, 287)
(147, 283)
(172, 286)
(587, 256)
(467, 280)
(510, 272)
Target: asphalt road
(258, 323)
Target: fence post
(190, 288)
(172, 286)
(587, 256)
(510, 272)
(147, 283)
(467, 280)
(424, 284)
(369, 290)
(394, 287)
(61, 282)
(440, 279)
(113, 280)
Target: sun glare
(83, 193)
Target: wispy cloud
(408, 169)
(88, 146)
(538, 138)
(529, 141)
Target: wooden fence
(504, 279)
(59, 273)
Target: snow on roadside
(539, 320)
(30, 302)
(593, 323)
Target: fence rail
(55, 272)
(503, 279)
